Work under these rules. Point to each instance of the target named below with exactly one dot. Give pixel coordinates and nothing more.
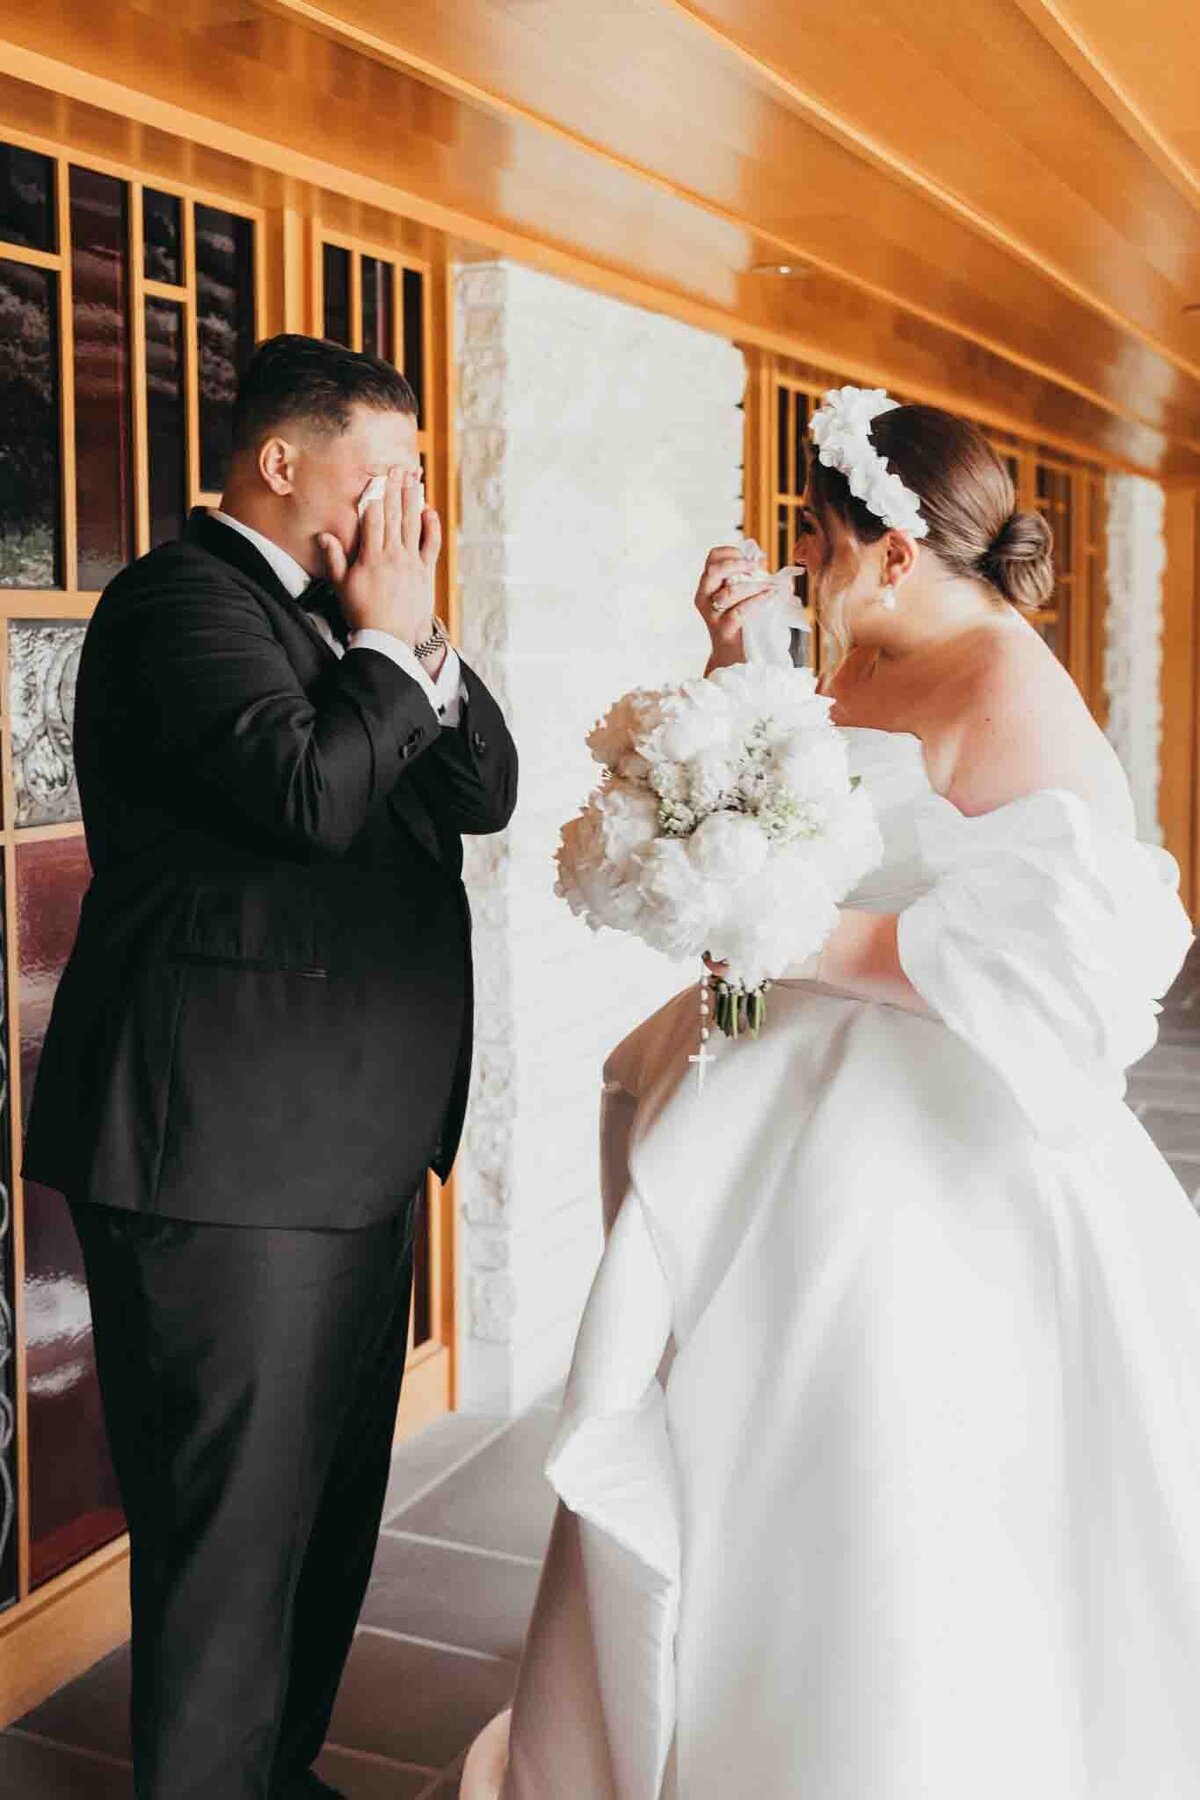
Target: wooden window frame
(53, 1632)
(430, 1379)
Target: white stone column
(601, 451)
(1137, 557)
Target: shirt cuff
(445, 695)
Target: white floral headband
(841, 430)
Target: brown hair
(967, 501)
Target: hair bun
(1020, 560)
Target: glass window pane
(100, 313)
(784, 535)
(414, 337)
(783, 437)
(26, 198)
(799, 442)
(336, 268)
(8, 1408)
(378, 308)
(166, 419)
(224, 330)
(162, 233)
(43, 663)
(29, 476)
(73, 1503)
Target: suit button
(478, 742)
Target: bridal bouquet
(726, 822)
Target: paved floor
(466, 1524)
(468, 1515)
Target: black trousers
(250, 1379)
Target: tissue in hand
(375, 489)
(767, 631)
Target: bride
(880, 1454)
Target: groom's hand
(389, 585)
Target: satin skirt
(880, 1456)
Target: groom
(261, 1044)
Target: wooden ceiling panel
(654, 85)
(975, 221)
(970, 101)
(1142, 65)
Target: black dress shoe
(307, 1787)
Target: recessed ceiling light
(777, 268)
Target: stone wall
(600, 455)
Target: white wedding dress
(910, 1507)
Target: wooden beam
(641, 242)
(1066, 37)
(62, 1629)
(389, 48)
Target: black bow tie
(320, 597)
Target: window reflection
(73, 1502)
(335, 264)
(166, 419)
(100, 316)
(224, 330)
(414, 337)
(29, 477)
(162, 236)
(26, 198)
(378, 308)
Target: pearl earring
(888, 599)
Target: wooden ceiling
(992, 202)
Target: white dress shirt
(445, 695)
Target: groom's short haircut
(292, 379)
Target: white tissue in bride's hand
(727, 821)
(768, 625)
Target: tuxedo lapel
(241, 554)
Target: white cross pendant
(702, 1059)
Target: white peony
(629, 818)
(679, 907)
(727, 821)
(729, 847)
(696, 719)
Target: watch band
(438, 639)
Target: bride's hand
(722, 607)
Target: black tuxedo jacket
(266, 1017)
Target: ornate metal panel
(43, 659)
